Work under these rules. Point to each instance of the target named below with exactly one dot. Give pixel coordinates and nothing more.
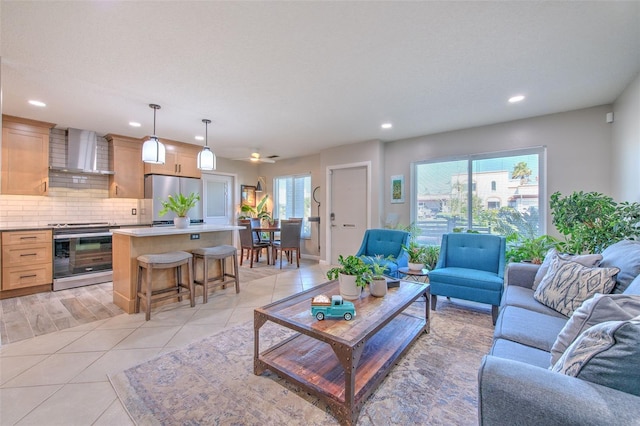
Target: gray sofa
(515, 384)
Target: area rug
(211, 382)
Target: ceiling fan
(255, 157)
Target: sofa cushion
(519, 352)
(607, 354)
(567, 284)
(634, 287)
(522, 297)
(600, 308)
(528, 327)
(467, 278)
(624, 255)
(583, 259)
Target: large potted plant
(590, 221)
(260, 210)
(528, 249)
(180, 205)
(353, 274)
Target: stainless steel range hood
(81, 153)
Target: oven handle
(87, 235)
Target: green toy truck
(322, 307)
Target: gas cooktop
(82, 225)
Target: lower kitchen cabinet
(27, 264)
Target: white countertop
(172, 230)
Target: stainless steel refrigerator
(159, 187)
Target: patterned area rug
(211, 382)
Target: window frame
(541, 151)
(306, 226)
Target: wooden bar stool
(152, 262)
(220, 253)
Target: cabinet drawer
(27, 254)
(21, 277)
(26, 237)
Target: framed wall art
(397, 189)
(248, 195)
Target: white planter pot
(181, 222)
(378, 287)
(416, 266)
(348, 288)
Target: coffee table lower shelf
(320, 367)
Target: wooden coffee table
(342, 362)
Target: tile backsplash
(73, 198)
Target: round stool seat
(218, 252)
(170, 257)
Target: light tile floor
(61, 378)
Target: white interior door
(217, 199)
(348, 210)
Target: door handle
(348, 225)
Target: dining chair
(289, 241)
(247, 242)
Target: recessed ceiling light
(199, 138)
(386, 125)
(516, 98)
(134, 124)
(37, 103)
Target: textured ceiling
(291, 78)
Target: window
(292, 198)
(505, 196)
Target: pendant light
(206, 157)
(153, 151)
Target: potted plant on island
(417, 255)
(378, 266)
(353, 274)
(180, 205)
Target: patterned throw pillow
(583, 259)
(607, 354)
(567, 284)
(600, 308)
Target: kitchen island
(129, 243)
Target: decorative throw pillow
(607, 354)
(625, 255)
(583, 259)
(567, 284)
(600, 308)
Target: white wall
(578, 151)
(626, 144)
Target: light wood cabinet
(181, 160)
(25, 156)
(125, 159)
(26, 259)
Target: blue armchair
(386, 242)
(470, 267)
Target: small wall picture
(248, 194)
(397, 189)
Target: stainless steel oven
(81, 255)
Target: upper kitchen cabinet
(25, 156)
(181, 159)
(125, 159)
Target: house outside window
(506, 194)
(292, 198)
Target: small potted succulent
(353, 274)
(378, 266)
(180, 205)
